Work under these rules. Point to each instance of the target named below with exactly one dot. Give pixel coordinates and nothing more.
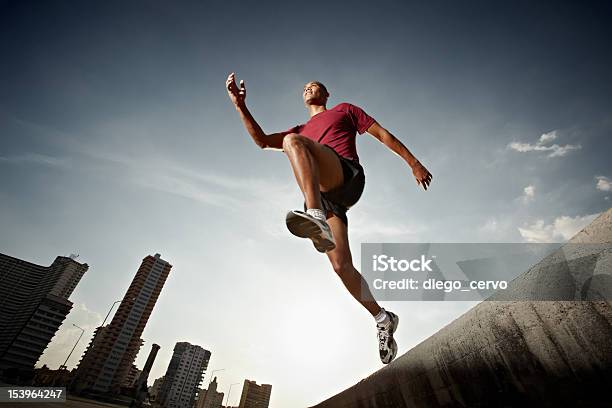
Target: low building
(210, 398)
(255, 396)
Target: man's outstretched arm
(238, 98)
(421, 174)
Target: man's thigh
(331, 174)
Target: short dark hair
(320, 86)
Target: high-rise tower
(113, 349)
(33, 304)
(183, 376)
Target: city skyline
(68, 278)
(67, 283)
(117, 140)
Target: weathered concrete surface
(513, 353)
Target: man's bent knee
(293, 141)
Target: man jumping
(324, 160)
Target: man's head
(315, 93)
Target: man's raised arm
(238, 98)
(421, 174)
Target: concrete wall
(514, 353)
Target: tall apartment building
(210, 398)
(183, 376)
(109, 357)
(133, 374)
(33, 304)
(255, 396)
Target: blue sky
(117, 140)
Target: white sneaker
(387, 347)
(304, 225)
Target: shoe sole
(394, 324)
(393, 352)
(303, 227)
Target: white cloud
(547, 137)
(541, 146)
(247, 195)
(528, 193)
(603, 183)
(560, 151)
(35, 158)
(561, 229)
(496, 229)
(184, 187)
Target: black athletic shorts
(340, 199)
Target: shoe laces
(383, 335)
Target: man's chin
(312, 101)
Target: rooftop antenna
(73, 256)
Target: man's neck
(314, 109)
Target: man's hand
(237, 96)
(421, 174)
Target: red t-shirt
(336, 127)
